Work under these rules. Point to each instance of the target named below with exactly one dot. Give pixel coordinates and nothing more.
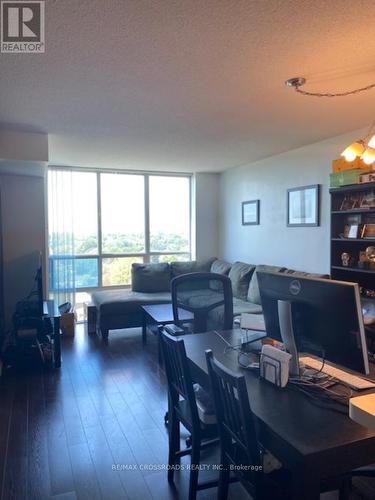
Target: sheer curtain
(61, 242)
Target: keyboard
(352, 381)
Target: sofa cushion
(243, 306)
(220, 267)
(193, 266)
(124, 301)
(254, 294)
(240, 275)
(204, 298)
(151, 278)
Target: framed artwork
(368, 231)
(303, 206)
(347, 204)
(368, 200)
(250, 213)
(353, 231)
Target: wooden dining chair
(184, 409)
(240, 449)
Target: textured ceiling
(190, 85)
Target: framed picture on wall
(250, 213)
(303, 206)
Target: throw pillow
(221, 267)
(193, 266)
(254, 294)
(240, 275)
(149, 278)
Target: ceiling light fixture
(355, 149)
(363, 148)
(298, 81)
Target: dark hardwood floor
(95, 428)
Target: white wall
(23, 160)
(272, 242)
(23, 146)
(206, 230)
(23, 235)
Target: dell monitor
(324, 315)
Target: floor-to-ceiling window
(100, 223)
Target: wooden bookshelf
(342, 216)
(353, 270)
(355, 211)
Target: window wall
(105, 221)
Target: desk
(314, 443)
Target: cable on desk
(322, 396)
(229, 346)
(327, 390)
(222, 338)
(318, 394)
(323, 358)
(240, 352)
(323, 402)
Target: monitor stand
(284, 308)
(296, 368)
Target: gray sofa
(121, 308)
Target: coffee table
(155, 316)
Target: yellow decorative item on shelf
(341, 165)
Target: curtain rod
(120, 171)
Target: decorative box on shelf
(365, 178)
(341, 165)
(346, 178)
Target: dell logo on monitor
(295, 287)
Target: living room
(142, 142)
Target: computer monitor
(324, 315)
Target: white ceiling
(187, 84)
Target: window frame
(147, 254)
